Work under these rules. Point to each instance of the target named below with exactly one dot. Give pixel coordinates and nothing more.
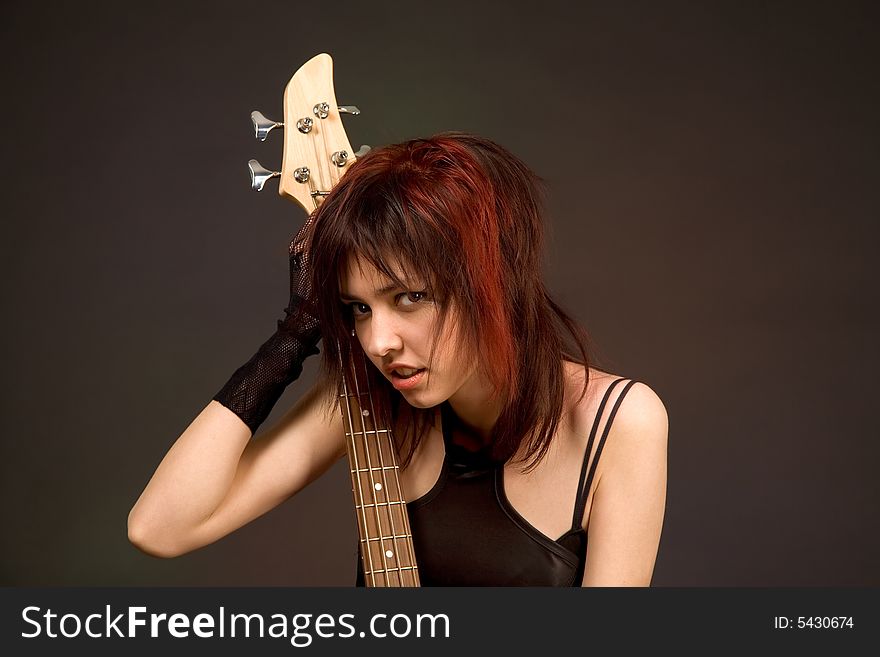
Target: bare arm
(630, 499)
(215, 479)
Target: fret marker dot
(365, 412)
(378, 486)
(389, 553)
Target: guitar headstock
(316, 151)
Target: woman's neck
(476, 410)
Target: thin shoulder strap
(583, 488)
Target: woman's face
(395, 327)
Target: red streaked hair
(465, 215)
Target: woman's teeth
(405, 373)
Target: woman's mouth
(407, 378)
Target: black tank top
(466, 532)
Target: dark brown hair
(464, 215)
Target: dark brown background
(713, 204)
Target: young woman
(512, 444)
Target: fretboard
(383, 523)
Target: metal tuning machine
(260, 174)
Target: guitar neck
(316, 154)
(383, 523)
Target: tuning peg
(363, 150)
(259, 175)
(348, 109)
(262, 125)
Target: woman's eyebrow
(391, 287)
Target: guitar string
(380, 450)
(400, 497)
(357, 474)
(407, 532)
(331, 171)
(381, 470)
(326, 163)
(366, 555)
(366, 445)
(316, 158)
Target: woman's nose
(384, 335)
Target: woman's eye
(359, 309)
(413, 297)
(407, 299)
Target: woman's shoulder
(641, 415)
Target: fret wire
(359, 433)
(354, 395)
(369, 462)
(353, 447)
(379, 538)
(396, 502)
(384, 467)
(398, 569)
(387, 502)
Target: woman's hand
(256, 386)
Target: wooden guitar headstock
(316, 151)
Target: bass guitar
(316, 154)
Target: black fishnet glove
(257, 385)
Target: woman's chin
(417, 398)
